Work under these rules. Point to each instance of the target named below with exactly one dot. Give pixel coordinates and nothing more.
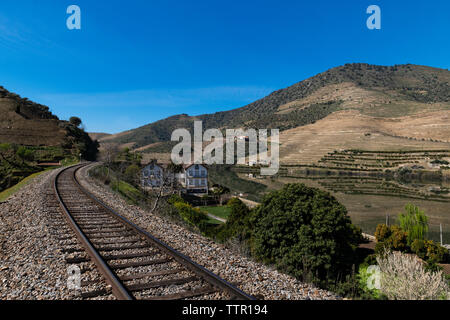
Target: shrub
(239, 211)
(238, 222)
(174, 198)
(192, 216)
(391, 238)
(305, 232)
(25, 154)
(382, 232)
(366, 276)
(398, 239)
(418, 247)
(132, 173)
(403, 277)
(435, 252)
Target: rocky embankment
(31, 263)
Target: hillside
(30, 134)
(372, 91)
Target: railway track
(133, 263)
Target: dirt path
(216, 218)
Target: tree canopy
(75, 121)
(305, 232)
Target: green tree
(25, 154)
(7, 153)
(219, 190)
(238, 223)
(132, 173)
(414, 222)
(305, 232)
(75, 121)
(239, 211)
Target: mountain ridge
(409, 83)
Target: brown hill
(27, 123)
(396, 107)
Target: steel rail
(118, 289)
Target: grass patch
(132, 194)
(219, 211)
(5, 194)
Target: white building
(152, 175)
(194, 179)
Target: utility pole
(387, 219)
(440, 232)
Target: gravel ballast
(253, 278)
(32, 236)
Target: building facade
(152, 176)
(195, 179)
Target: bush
(305, 232)
(418, 247)
(174, 198)
(132, 173)
(382, 232)
(238, 223)
(398, 239)
(25, 154)
(192, 216)
(435, 252)
(403, 277)
(391, 238)
(239, 211)
(366, 276)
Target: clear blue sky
(134, 62)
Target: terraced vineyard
(381, 187)
(363, 159)
(374, 184)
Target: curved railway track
(134, 264)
